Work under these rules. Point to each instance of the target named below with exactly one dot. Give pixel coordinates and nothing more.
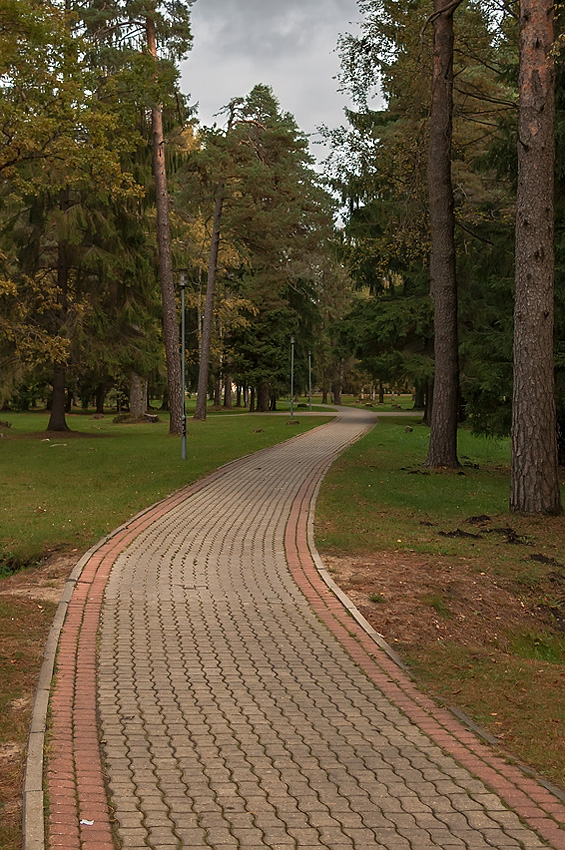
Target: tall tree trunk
(218, 390)
(137, 396)
(442, 449)
(419, 396)
(57, 420)
(170, 322)
(252, 400)
(228, 400)
(100, 396)
(263, 397)
(534, 487)
(429, 402)
(204, 368)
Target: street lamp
(182, 285)
(310, 380)
(291, 378)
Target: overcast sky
(286, 44)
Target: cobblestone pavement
(240, 706)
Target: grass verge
(471, 596)
(69, 489)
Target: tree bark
(57, 420)
(218, 391)
(170, 322)
(263, 397)
(137, 396)
(442, 451)
(228, 396)
(100, 396)
(534, 487)
(419, 396)
(204, 368)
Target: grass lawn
(472, 597)
(69, 489)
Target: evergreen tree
(534, 475)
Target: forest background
(81, 313)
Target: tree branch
(449, 9)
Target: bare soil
(28, 602)
(421, 600)
(492, 649)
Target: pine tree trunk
(57, 420)
(252, 400)
(263, 397)
(170, 322)
(442, 450)
(419, 396)
(218, 391)
(137, 396)
(100, 396)
(429, 402)
(228, 402)
(534, 487)
(204, 368)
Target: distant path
(240, 705)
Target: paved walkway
(240, 705)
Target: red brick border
(79, 816)
(543, 811)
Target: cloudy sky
(286, 44)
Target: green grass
(540, 647)
(379, 496)
(389, 405)
(383, 473)
(68, 490)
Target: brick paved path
(240, 706)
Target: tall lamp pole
(310, 380)
(182, 284)
(292, 377)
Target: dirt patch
(487, 645)
(42, 583)
(28, 602)
(419, 599)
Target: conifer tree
(132, 32)
(534, 475)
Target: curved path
(240, 705)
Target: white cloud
(289, 46)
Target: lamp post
(310, 380)
(292, 378)
(182, 285)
